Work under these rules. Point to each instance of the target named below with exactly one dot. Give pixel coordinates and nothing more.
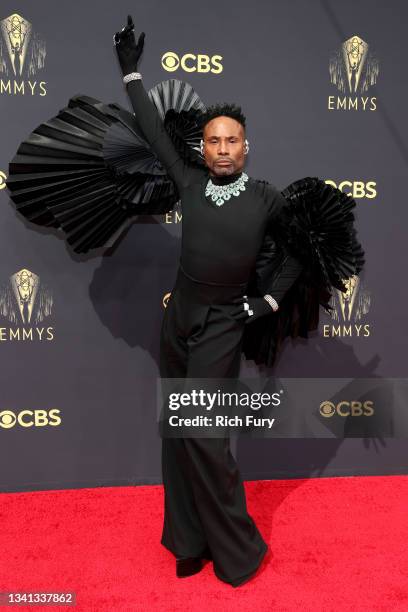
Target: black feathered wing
(317, 228)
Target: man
(225, 216)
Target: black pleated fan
(89, 170)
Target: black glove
(128, 51)
(258, 305)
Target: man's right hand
(127, 49)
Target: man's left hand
(128, 50)
(258, 305)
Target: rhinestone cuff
(272, 302)
(132, 76)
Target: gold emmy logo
(346, 408)
(190, 62)
(3, 178)
(349, 309)
(30, 418)
(26, 302)
(354, 303)
(353, 70)
(22, 55)
(166, 298)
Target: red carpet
(336, 544)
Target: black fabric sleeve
(277, 269)
(155, 133)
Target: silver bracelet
(132, 76)
(272, 302)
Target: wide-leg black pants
(205, 501)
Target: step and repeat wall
(322, 86)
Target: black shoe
(188, 566)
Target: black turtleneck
(220, 244)
(225, 179)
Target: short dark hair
(222, 110)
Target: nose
(223, 147)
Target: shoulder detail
(265, 189)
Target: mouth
(223, 162)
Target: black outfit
(90, 169)
(204, 494)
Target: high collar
(225, 180)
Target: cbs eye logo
(29, 418)
(2, 179)
(189, 62)
(346, 409)
(166, 298)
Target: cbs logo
(3, 178)
(29, 418)
(346, 409)
(356, 189)
(189, 62)
(166, 298)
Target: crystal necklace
(220, 193)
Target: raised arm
(146, 114)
